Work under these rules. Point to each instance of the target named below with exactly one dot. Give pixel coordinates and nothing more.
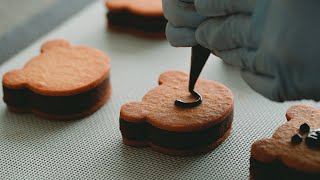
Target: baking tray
(91, 148)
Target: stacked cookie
(158, 123)
(293, 152)
(63, 82)
(140, 17)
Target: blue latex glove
(276, 47)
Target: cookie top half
(157, 106)
(299, 156)
(61, 69)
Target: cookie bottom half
(277, 170)
(175, 143)
(58, 107)
(146, 26)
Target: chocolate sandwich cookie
(158, 123)
(63, 82)
(293, 152)
(141, 17)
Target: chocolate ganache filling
(130, 20)
(277, 170)
(175, 140)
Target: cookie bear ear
(133, 111)
(54, 44)
(301, 112)
(265, 150)
(14, 79)
(173, 77)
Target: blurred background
(15, 12)
(24, 21)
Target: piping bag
(199, 57)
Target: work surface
(91, 148)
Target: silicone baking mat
(91, 148)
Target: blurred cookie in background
(143, 18)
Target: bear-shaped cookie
(156, 121)
(140, 17)
(293, 151)
(63, 82)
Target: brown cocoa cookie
(63, 82)
(140, 17)
(293, 152)
(156, 121)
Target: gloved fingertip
(180, 36)
(232, 57)
(188, 1)
(214, 8)
(202, 38)
(207, 8)
(215, 52)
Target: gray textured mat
(91, 148)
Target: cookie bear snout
(297, 138)
(313, 139)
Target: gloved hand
(277, 47)
(285, 63)
(207, 21)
